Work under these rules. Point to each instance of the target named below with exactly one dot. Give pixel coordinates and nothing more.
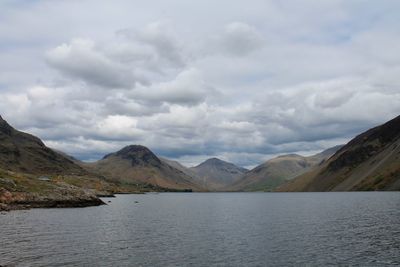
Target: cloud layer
(237, 81)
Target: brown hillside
(137, 164)
(371, 161)
(22, 152)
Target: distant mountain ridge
(370, 161)
(216, 174)
(276, 171)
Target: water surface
(210, 229)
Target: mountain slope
(216, 174)
(33, 175)
(371, 161)
(277, 171)
(177, 165)
(22, 152)
(137, 164)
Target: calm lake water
(210, 229)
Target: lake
(210, 229)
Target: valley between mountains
(34, 175)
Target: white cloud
(188, 88)
(116, 127)
(193, 80)
(80, 59)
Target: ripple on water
(210, 229)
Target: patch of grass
(18, 182)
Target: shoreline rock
(22, 205)
(61, 198)
(4, 207)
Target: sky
(240, 80)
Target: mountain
(137, 164)
(33, 175)
(371, 161)
(22, 152)
(277, 171)
(216, 174)
(175, 164)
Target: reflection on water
(210, 229)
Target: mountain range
(35, 175)
(277, 171)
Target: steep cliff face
(26, 153)
(371, 161)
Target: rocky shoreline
(60, 198)
(79, 203)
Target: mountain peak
(138, 154)
(5, 128)
(27, 153)
(293, 155)
(215, 173)
(133, 149)
(218, 163)
(279, 170)
(214, 160)
(136, 164)
(2, 120)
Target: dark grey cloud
(240, 39)
(160, 37)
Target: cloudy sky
(239, 80)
